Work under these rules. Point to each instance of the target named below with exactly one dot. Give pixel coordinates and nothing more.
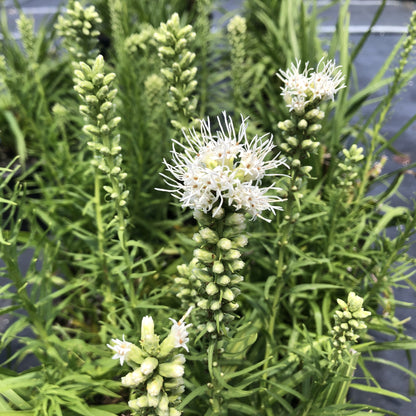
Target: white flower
(148, 327)
(209, 170)
(325, 83)
(303, 88)
(121, 349)
(179, 331)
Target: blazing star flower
(121, 349)
(179, 331)
(226, 169)
(326, 82)
(303, 88)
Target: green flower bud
(211, 289)
(171, 370)
(204, 256)
(296, 163)
(210, 326)
(215, 306)
(235, 219)
(314, 113)
(223, 280)
(241, 241)
(314, 128)
(218, 267)
(303, 124)
(228, 294)
(232, 255)
(354, 302)
(306, 143)
(154, 385)
(237, 265)
(202, 275)
(149, 365)
(293, 141)
(203, 304)
(224, 244)
(139, 403)
(197, 238)
(153, 401)
(134, 378)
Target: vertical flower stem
(99, 222)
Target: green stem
(99, 222)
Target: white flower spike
(179, 331)
(121, 349)
(215, 171)
(303, 88)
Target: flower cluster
(213, 172)
(350, 168)
(79, 30)
(210, 281)
(348, 321)
(157, 368)
(306, 88)
(96, 91)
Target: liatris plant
(156, 379)
(303, 93)
(348, 321)
(219, 176)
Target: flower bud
(303, 124)
(216, 305)
(224, 244)
(155, 385)
(235, 219)
(210, 326)
(134, 378)
(153, 401)
(223, 280)
(293, 141)
(211, 289)
(232, 255)
(202, 275)
(354, 302)
(237, 265)
(148, 327)
(148, 365)
(218, 267)
(228, 294)
(314, 128)
(171, 370)
(241, 241)
(139, 403)
(204, 256)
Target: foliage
(78, 198)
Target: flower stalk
(157, 369)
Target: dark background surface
(387, 33)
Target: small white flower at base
(179, 331)
(121, 349)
